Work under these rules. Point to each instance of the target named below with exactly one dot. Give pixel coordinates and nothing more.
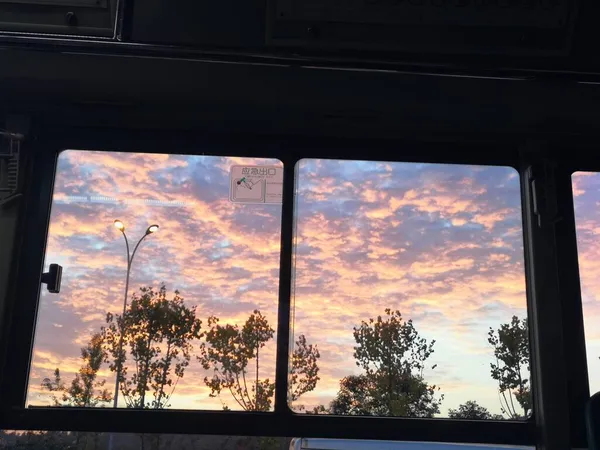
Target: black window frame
(21, 309)
(584, 158)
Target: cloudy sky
(440, 243)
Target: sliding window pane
(586, 193)
(155, 248)
(410, 282)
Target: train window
(586, 186)
(71, 439)
(348, 444)
(410, 282)
(170, 278)
(21, 439)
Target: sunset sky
(440, 243)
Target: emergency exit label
(256, 184)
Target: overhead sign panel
(256, 184)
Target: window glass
(351, 444)
(586, 186)
(80, 440)
(71, 439)
(204, 240)
(409, 279)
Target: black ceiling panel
(498, 27)
(521, 28)
(222, 23)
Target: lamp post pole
(121, 227)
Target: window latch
(52, 278)
(543, 194)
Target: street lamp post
(121, 227)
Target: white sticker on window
(256, 184)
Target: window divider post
(548, 372)
(285, 288)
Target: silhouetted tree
(320, 409)
(85, 390)
(42, 440)
(369, 395)
(234, 356)
(392, 356)
(304, 370)
(357, 396)
(473, 411)
(511, 369)
(56, 386)
(229, 351)
(158, 334)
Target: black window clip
(52, 278)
